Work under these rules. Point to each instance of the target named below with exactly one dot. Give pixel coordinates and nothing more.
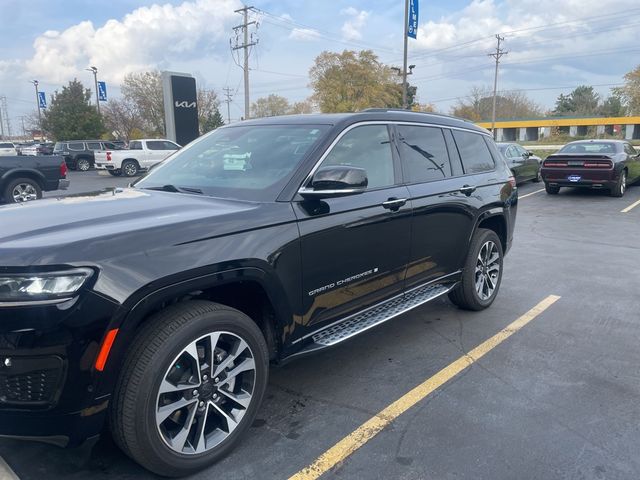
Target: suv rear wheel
(191, 385)
(482, 272)
(83, 164)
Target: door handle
(467, 189)
(394, 204)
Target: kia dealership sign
(180, 107)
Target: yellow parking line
(5, 471)
(352, 442)
(532, 193)
(630, 207)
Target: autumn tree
(629, 93)
(70, 115)
(270, 106)
(303, 106)
(144, 90)
(351, 81)
(121, 118)
(478, 105)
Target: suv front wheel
(482, 272)
(191, 385)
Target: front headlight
(25, 287)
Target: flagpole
(406, 43)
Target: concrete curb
(5, 471)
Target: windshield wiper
(174, 189)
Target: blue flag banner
(102, 91)
(42, 100)
(412, 31)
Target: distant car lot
(90, 181)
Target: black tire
(115, 173)
(83, 164)
(551, 189)
(27, 185)
(151, 355)
(465, 295)
(621, 186)
(130, 168)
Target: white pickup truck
(141, 155)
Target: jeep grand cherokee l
(160, 306)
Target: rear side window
(76, 146)
(475, 154)
(6, 145)
(135, 146)
(94, 146)
(155, 145)
(424, 154)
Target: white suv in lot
(141, 155)
(7, 149)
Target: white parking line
(630, 207)
(5, 471)
(532, 193)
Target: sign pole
(404, 64)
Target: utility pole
(24, 132)
(95, 80)
(247, 43)
(497, 55)
(404, 62)
(35, 84)
(3, 106)
(227, 100)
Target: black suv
(79, 154)
(159, 307)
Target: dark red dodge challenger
(609, 164)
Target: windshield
(246, 162)
(589, 147)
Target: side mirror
(336, 181)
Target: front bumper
(48, 383)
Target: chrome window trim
(378, 122)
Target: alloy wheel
(83, 165)
(24, 192)
(623, 183)
(487, 272)
(205, 393)
(130, 169)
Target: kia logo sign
(185, 104)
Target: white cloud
(351, 29)
(304, 34)
(148, 37)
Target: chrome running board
(363, 321)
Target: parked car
(602, 164)
(523, 163)
(37, 149)
(7, 149)
(23, 179)
(141, 155)
(80, 154)
(160, 306)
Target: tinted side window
(94, 146)
(628, 148)
(424, 153)
(365, 147)
(170, 146)
(475, 154)
(76, 146)
(155, 145)
(135, 146)
(511, 152)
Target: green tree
(612, 107)
(629, 93)
(270, 106)
(71, 116)
(211, 122)
(351, 81)
(583, 101)
(209, 117)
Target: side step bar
(362, 321)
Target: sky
(553, 45)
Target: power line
(499, 53)
(227, 100)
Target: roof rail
(369, 110)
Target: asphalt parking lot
(556, 397)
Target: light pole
(95, 79)
(35, 84)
